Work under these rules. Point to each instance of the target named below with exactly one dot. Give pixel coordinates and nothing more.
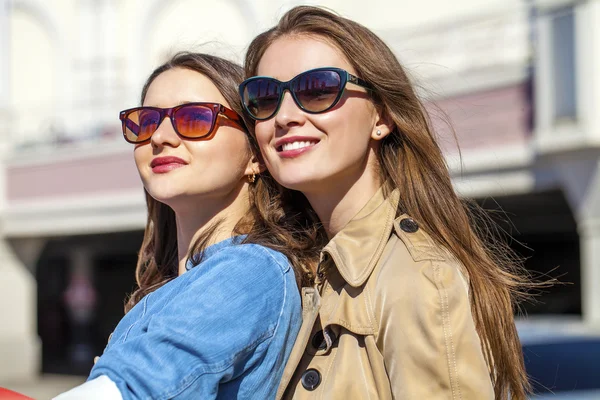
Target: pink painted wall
(98, 174)
(484, 120)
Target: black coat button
(318, 341)
(409, 225)
(311, 378)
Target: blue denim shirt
(222, 330)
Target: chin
(164, 195)
(168, 200)
(299, 183)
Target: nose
(165, 135)
(289, 113)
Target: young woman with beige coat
(409, 301)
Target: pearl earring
(378, 132)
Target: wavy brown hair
(410, 158)
(268, 222)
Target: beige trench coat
(389, 318)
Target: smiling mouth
(296, 145)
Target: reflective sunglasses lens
(316, 91)
(194, 121)
(139, 125)
(261, 97)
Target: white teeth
(295, 145)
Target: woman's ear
(261, 167)
(383, 125)
(255, 166)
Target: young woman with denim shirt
(218, 307)
(409, 301)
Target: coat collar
(356, 249)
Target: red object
(6, 394)
(160, 165)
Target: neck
(198, 215)
(339, 203)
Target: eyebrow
(176, 105)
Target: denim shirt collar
(214, 248)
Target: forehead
(288, 56)
(180, 85)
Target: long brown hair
(410, 159)
(267, 222)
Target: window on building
(563, 65)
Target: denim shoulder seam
(265, 250)
(213, 254)
(279, 317)
(212, 369)
(145, 303)
(285, 267)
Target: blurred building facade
(517, 80)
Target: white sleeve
(101, 388)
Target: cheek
(235, 147)
(354, 122)
(263, 132)
(141, 156)
(360, 113)
(228, 150)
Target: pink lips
(292, 153)
(161, 165)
